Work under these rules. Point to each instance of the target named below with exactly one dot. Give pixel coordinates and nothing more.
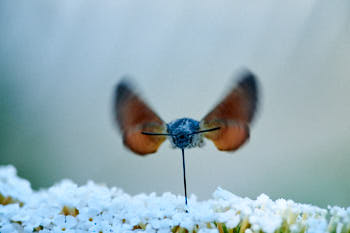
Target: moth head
(182, 133)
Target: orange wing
(233, 115)
(133, 117)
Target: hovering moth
(226, 125)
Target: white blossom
(67, 207)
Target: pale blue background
(60, 60)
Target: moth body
(183, 133)
(226, 125)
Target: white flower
(66, 207)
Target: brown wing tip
(248, 82)
(123, 89)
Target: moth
(226, 125)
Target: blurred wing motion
(233, 115)
(133, 117)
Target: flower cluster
(66, 207)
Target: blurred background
(60, 61)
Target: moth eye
(182, 136)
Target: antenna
(169, 134)
(184, 171)
(156, 134)
(205, 130)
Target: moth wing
(233, 115)
(134, 116)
